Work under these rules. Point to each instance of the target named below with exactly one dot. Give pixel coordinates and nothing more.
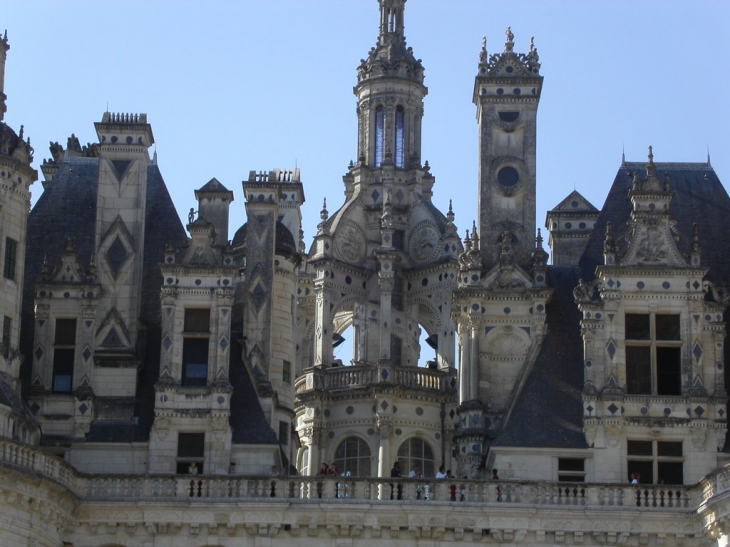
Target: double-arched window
(379, 135)
(400, 127)
(399, 140)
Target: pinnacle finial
(324, 214)
(509, 43)
(483, 52)
(650, 167)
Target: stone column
(464, 356)
(385, 282)
(384, 457)
(474, 358)
(323, 324)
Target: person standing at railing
(193, 469)
(441, 474)
(415, 473)
(395, 474)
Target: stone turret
(16, 177)
(507, 92)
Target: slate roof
(68, 208)
(248, 422)
(548, 412)
(213, 185)
(699, 197)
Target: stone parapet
(366, 375)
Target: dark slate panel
(67, 208)
(248, 421)
(549, 411)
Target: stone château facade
(167, 384)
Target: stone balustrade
(362, 375)
(350, 489)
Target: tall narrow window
(11, 257)
(397, 298)
(7, 322)
(64, 349)
(396, 345)
(399, 137)
(195, 347)
(379, 135)
(190, 453)
(283, 432)
(653, 354)
(286, 372)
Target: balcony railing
(362, 375)
(346, 489)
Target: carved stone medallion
(350, 244)
(424, 243)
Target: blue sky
(236, 86)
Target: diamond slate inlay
(697, 350)
(38, 353)
(86, 353)
(166, 342)
(699, 411)
(612, 408)
(611, 349)
(83, 408)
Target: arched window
(418, 452)
(303, 461)
(353, 457)
(399, 137)
(379, 135)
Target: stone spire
(4, 47)
(390, 92)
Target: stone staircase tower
(385, 264)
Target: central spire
(391, 20)
(390, 114)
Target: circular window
(500, 91)
(508, 116)
(508, 176)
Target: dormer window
(64, 349)
(196, 339)
(399, 147)
(653, 354)
(379, 135)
